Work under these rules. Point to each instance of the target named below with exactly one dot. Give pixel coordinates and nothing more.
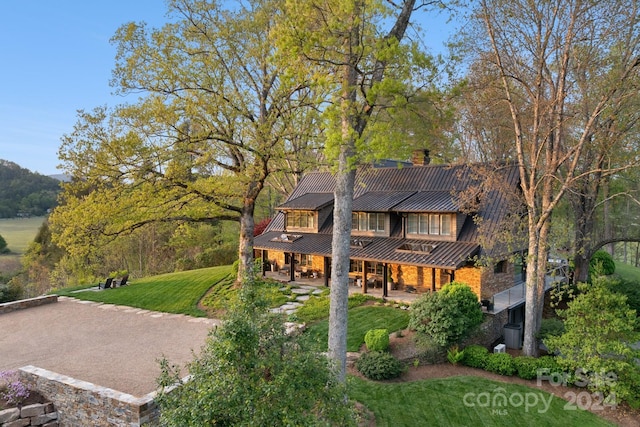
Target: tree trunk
(245, 249)
(529, 346)
(340, 248)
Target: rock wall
(38, 414)
(80, 403)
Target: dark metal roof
(428, 201)
(378, 201)
(450, 255)
(309, 201)
(431, 188)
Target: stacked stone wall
(80, 403)
(37, 414)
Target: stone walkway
(302, 293)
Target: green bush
(446, 316)
(475, 356)
(601, 264)
(550, 328)
(377, 365)
(9, 293)
(377, 339)
(500, 363)
(454, 355)
(548, 364)
(526, 367)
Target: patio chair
(121, 282)
(107, 283)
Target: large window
(367, 221)
(429, 224)
(301, 219)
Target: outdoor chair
(121, 282)
(107, 283)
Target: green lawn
(361, 319)
(20, 232)
(171, 293)
(627, 271)
(465, 401)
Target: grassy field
(170, 293)
(19, 233)
(465, 401)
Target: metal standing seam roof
(379, 201)
(428, 201)
(309, 201)
(451, 255)
(429, 188)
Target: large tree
(216, 116)
(540, 53)
(354, 48)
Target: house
(415, 229)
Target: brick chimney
(420, 157)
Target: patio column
(326, 269)
(385, 277)
(292, 267)
(433, 279)
(364, 277)
(264, 262)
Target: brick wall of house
(472, 276)
(493, 282)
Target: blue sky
(57, 59)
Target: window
(365, 221)
(375, 268)
(301, 219)
(429, 224)
(304, 260)
(355, 266)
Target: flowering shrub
(12, 389)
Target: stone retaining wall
(39, 414)
(26, 303)
(80, 403)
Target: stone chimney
(420, 157)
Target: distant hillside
(24, 193)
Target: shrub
(377, 339)
(446, 316)
(377, 365)
(12, 389)
(601, 264)
(550, 328)
(599, 327)
(9, 293)
(500, 363)
(455, 355)
(475, 356)
(526, 367)
(548, 364)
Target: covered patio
(392, 295)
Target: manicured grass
(20, 232)
(361, 319)
(170, 293)
(626, 271)
(464, 401)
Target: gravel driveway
(111, 346)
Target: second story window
(301, 219)
(368, 221)
(429, 224)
